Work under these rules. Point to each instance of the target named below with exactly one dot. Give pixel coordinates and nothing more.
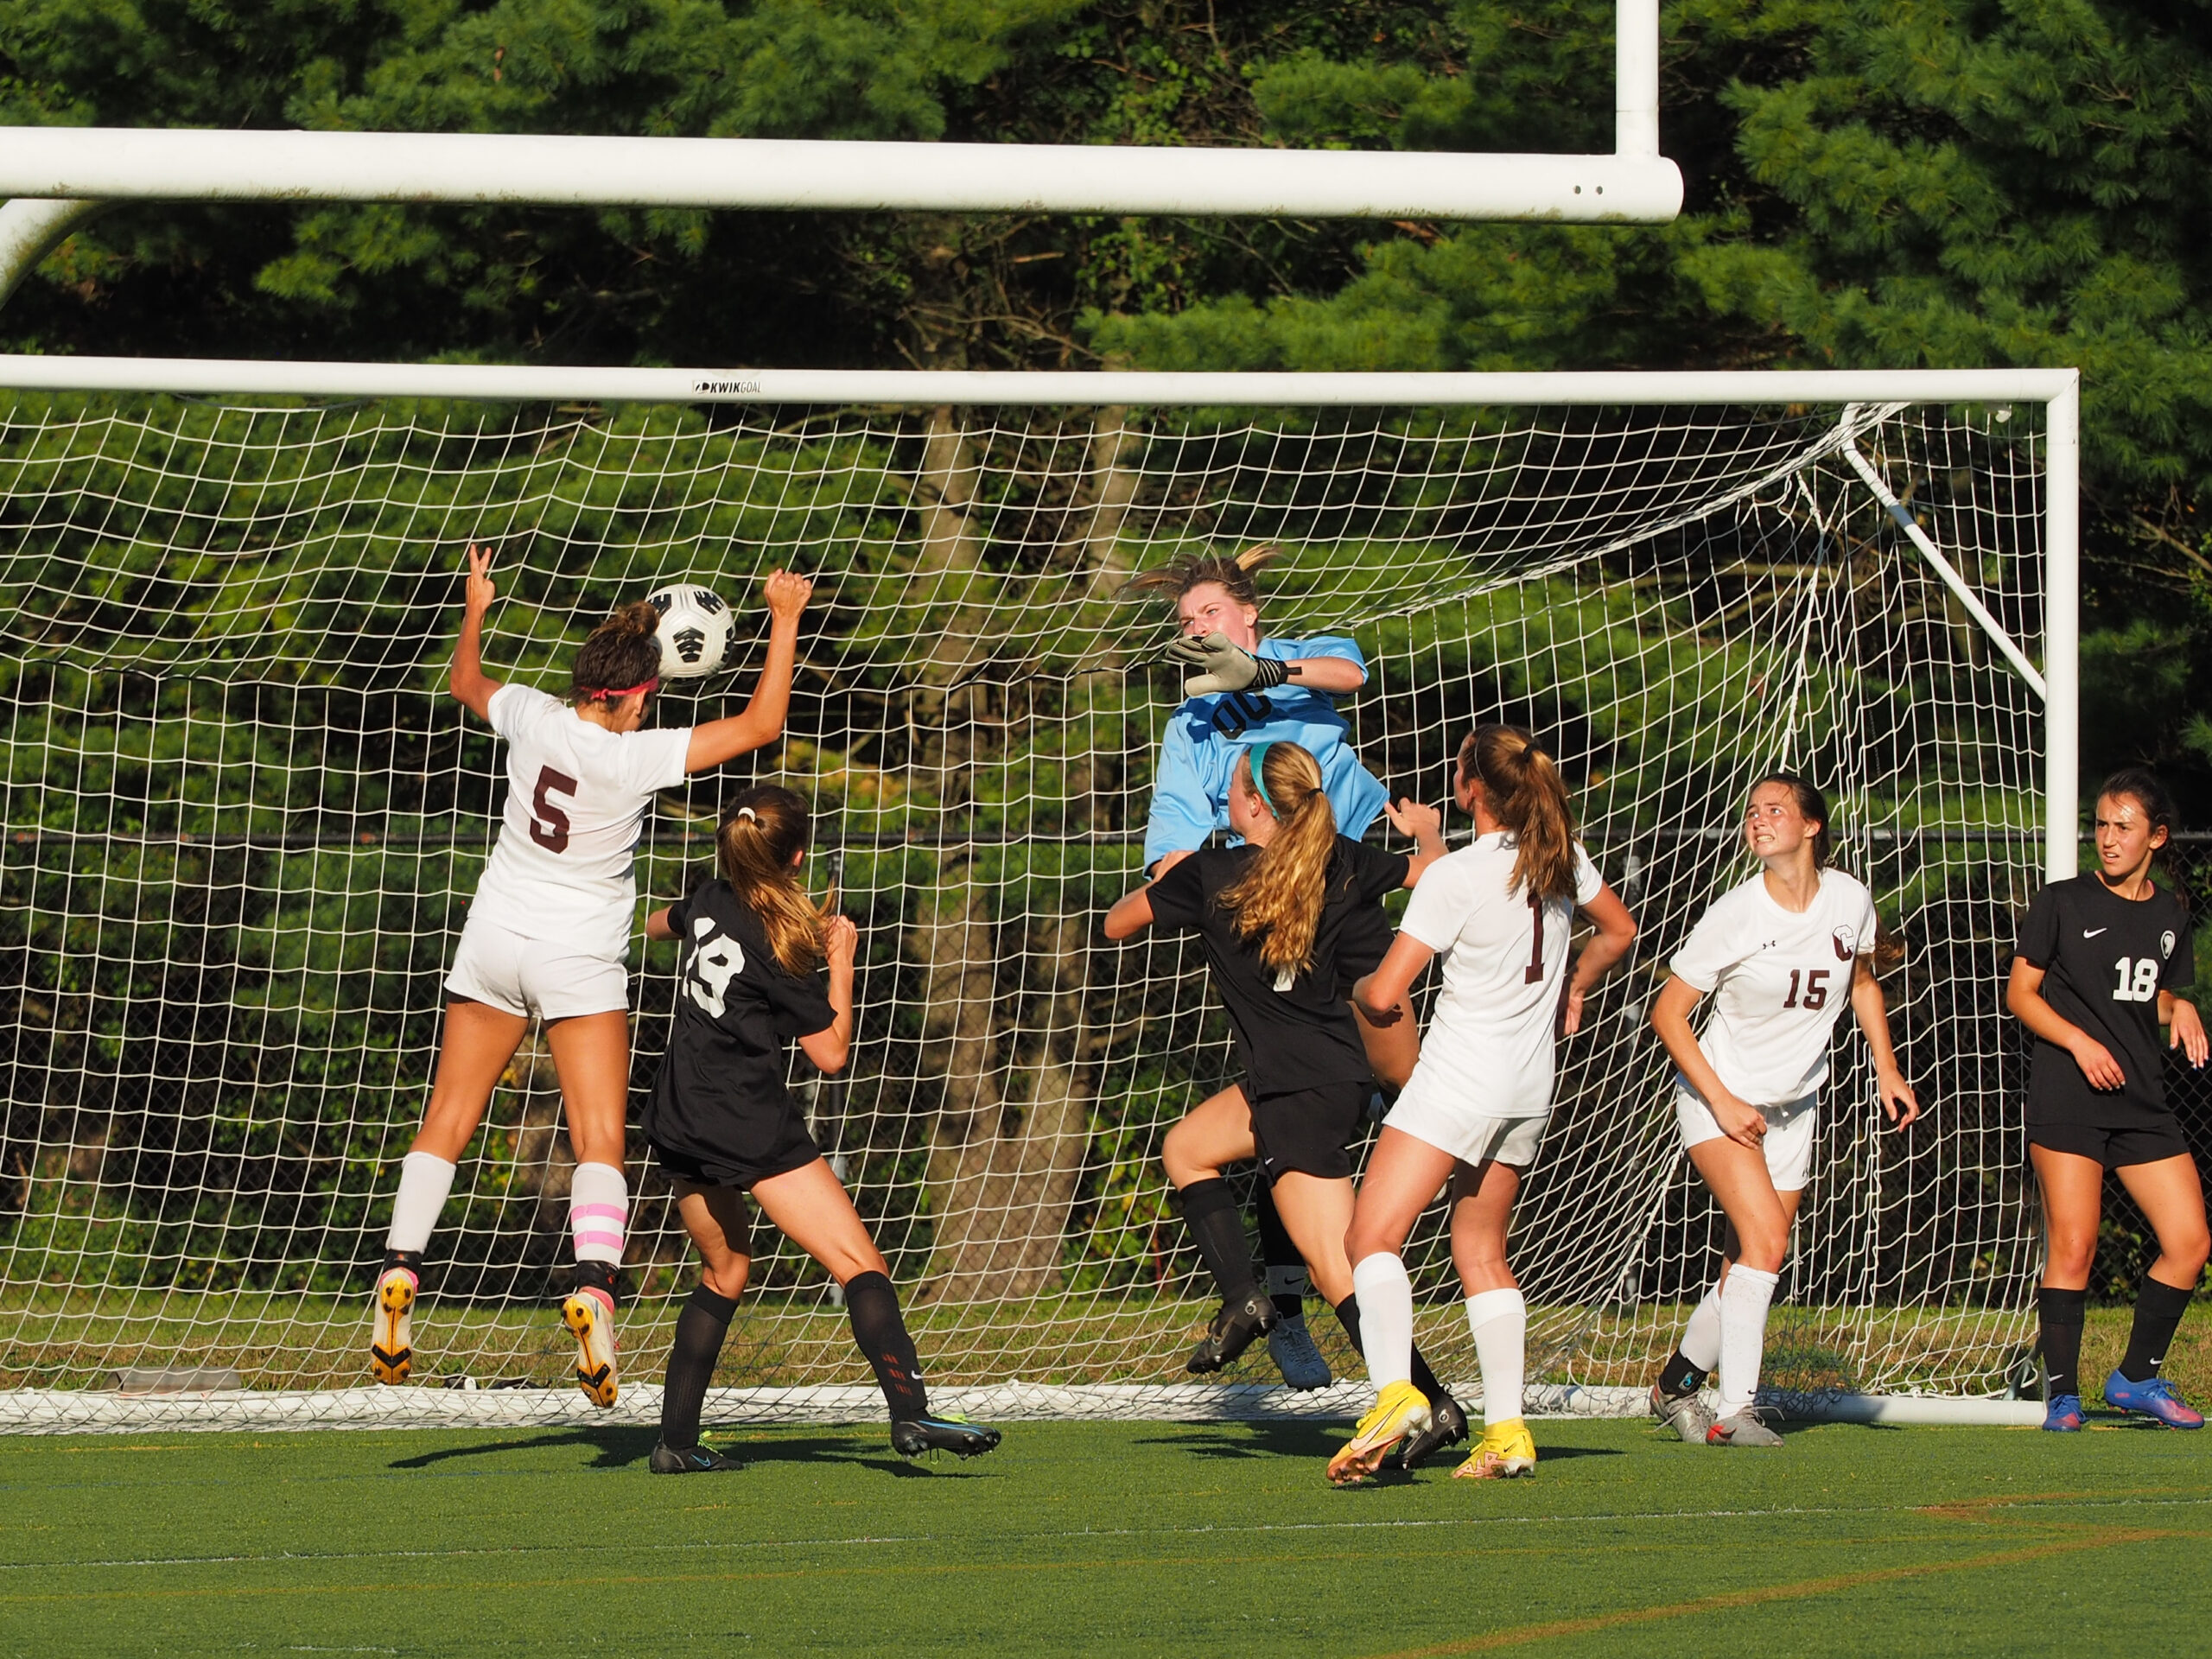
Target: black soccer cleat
(911, 1436)
(1447, 1426)
(667, 1460)
(1237, 1327)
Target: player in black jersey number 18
(2093, 976)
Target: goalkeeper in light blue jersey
(1243, 690)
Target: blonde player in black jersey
(1499, 911)
(2100, 959)
(549, 934)
(1780, 955)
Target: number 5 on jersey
(2139, 979)
(549, 824)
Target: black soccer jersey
(720, 1093)
(2105, 960)
(1293, 1037)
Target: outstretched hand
(1227, 667)
(481, 591)
(1414, 818)
(786, 592)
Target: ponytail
(1526, 796)
(621, 657)
(1279, 899)
(761, 829)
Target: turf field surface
(1123, 1538)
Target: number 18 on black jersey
(2105, 960)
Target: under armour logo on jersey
(1846, 944)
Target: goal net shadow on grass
(243, 822)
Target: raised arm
(829, 1049)
(1426, 825)
(468, 682)
(1872, 1013)
(762, 723)
(1335, 675)
(1614, 932)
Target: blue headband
(1258, 756)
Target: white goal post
(240, 825)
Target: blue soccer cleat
(2063, 1414)
(2155, 1399)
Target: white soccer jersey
(577, 796)
(1779, 980)
(1490, 1043)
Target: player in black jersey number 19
(2099, 960)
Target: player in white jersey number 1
(1499, 911)
(549, 934)
(1779, 955)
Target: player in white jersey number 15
(1499, 911)
(1779, 955)
(549, 934)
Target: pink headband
(611, 693)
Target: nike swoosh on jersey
(2091, 932)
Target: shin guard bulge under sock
(424, 1181)
(1385, 1293)
(700, 1329)
(1499, 1322)
(599, 1211)
(2061, 1314)
(1217, 1228)
(2159, 1310)
(880, 1330)
(1744, 1301)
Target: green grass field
(1128, 1538)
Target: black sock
(700, 1329)
(411, 1260)
(600, 1276)
(872, 1307)
(1678, 1375)
(1281, 1256)
(2061, 1313)
(2158, 1308)
(1423, 1378)
(1217, 1228)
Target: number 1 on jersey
(1535, 973)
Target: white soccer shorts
(1472, 1138)
(526, 976)
(1787, 1145)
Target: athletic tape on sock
(599, 1211)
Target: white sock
(1744, 1302)
(1700, 1343)
(1499, 1320)
(423, 1183)
(599, 1206)
(1386, 1318)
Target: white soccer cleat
(1743, 1428)
(1290, 1344)
(591, 1317)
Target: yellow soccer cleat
(1400, 1409)
(1506, 1450)
(391, 1351)
(592, 1318)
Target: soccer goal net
(243, 823)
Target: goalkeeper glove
(1228, 667)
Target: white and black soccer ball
(694, 632)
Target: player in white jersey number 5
(1500, 911)
(549, 934)
(1779, 955)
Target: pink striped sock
(599, 1205)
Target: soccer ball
(694, 632)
